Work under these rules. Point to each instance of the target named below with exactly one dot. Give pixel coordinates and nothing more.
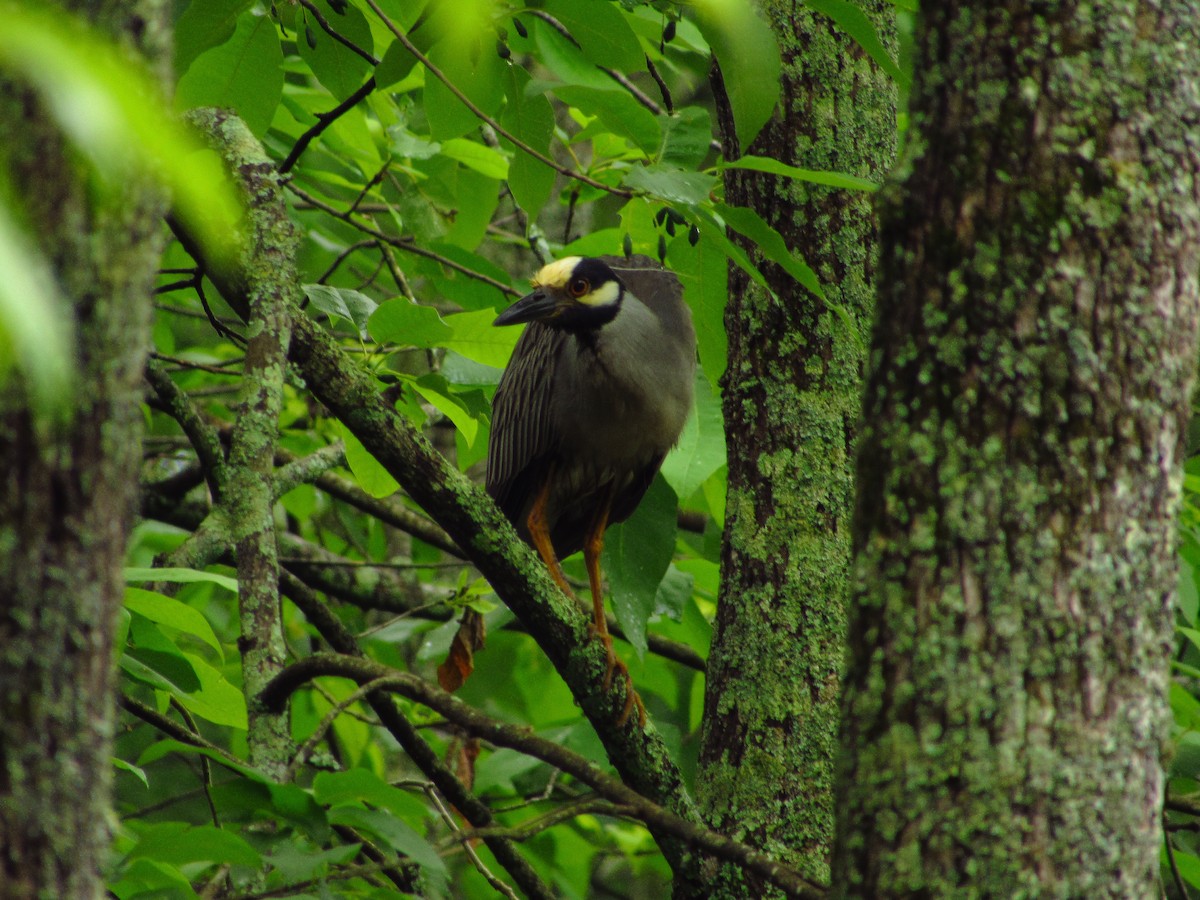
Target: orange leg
(539, 533)
(592, 546)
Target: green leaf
(852, 20)
(701, 447)
(474, 155)
(205, 24)
(671, 184)
(475, 70)
(216, 700)
(532, 120)
(687, 137)
(403, 322)
(395, 65)
(748, 54)
(353, 306)
(336, 66)
(674, 591)
(134, 574)
(245, 74)
(770, 243)
(476, 338)
(296, 862)
(168, 611)
(146, 878)
(370, 475)
(775, 167)
(432, 388)
(136, 771)
(619, 112)
(395, 832)
(704, 271)
(177, 843)
(566, 61)
(362, 785)
(636, 555)
(603, 34)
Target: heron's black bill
(529, 308)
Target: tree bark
(66, 500)
(1019, 466)
(791, 400)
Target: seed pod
(502, 50)
(669, 32)
(660, 216)
(627, 246)
(693, 235)
(520, 26)
(310, 37)
(662, 248)
(670, 226)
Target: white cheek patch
(605, 295)
(557, 273)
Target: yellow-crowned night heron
(596, 393)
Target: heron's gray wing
(521, 434)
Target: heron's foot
(614, 665)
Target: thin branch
(173, 729)
(484, 117)
(399, 243)
(362, 670)
(335, 34)
(324, 120)
(418, 750)
(634, 91)
(499, 886)
(203, 437)
(666, 91)
(341, 258)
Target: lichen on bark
(1019, 464)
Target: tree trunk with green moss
(67, 497)
(1005, 703)
(791, 398)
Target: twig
(663, 89)
(498, 885)
(484, 117)
(400, 243)
(504, 735)
(341, 258)
(324, 120)
(201, 434)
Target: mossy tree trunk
(791, 401)
(66, 498)
(1005, 703)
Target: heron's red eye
(579, 287)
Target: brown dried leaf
(460, 661)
